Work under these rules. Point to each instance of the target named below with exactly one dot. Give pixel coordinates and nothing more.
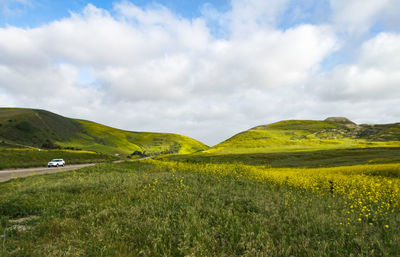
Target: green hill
(39, 128)
(304, 135)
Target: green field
(291, 188)
(154, 208)
(322, 158)
(26, 158)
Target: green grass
(155, 209)
(202, 205)
(42, 129)
(102, 138)
(26, 158)
(305, 135)
(34, 127)
(322, 158)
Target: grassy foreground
(26, 158)
(155, 208)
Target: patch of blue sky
(304, 12)
(384, 26)
(34, 13)
(187, 9)
(85, 76)
(334, 60)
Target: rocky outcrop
(342, 120)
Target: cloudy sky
(203, 69)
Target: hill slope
(39, 128)
(302, 135)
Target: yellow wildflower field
(371, 191)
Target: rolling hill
(43, 129)
(305, 135)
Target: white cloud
(357, 17)
(374, 75)
(152, 70)
(382, 51)
(247, 15)
(6, 100)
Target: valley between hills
(290, 188)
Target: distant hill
(43, 129)
(303, 135)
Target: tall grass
(155, 208)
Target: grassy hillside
(35, 127)
(43, 129)
(102, 138)
(304, 135)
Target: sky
(207, 70)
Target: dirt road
(17, 173)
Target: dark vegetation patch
(25, 126)
(50, 145)
(36, 127)
(324, 158)
(386, 132)
(138, 154)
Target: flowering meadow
(371, 191)
(169, 208)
